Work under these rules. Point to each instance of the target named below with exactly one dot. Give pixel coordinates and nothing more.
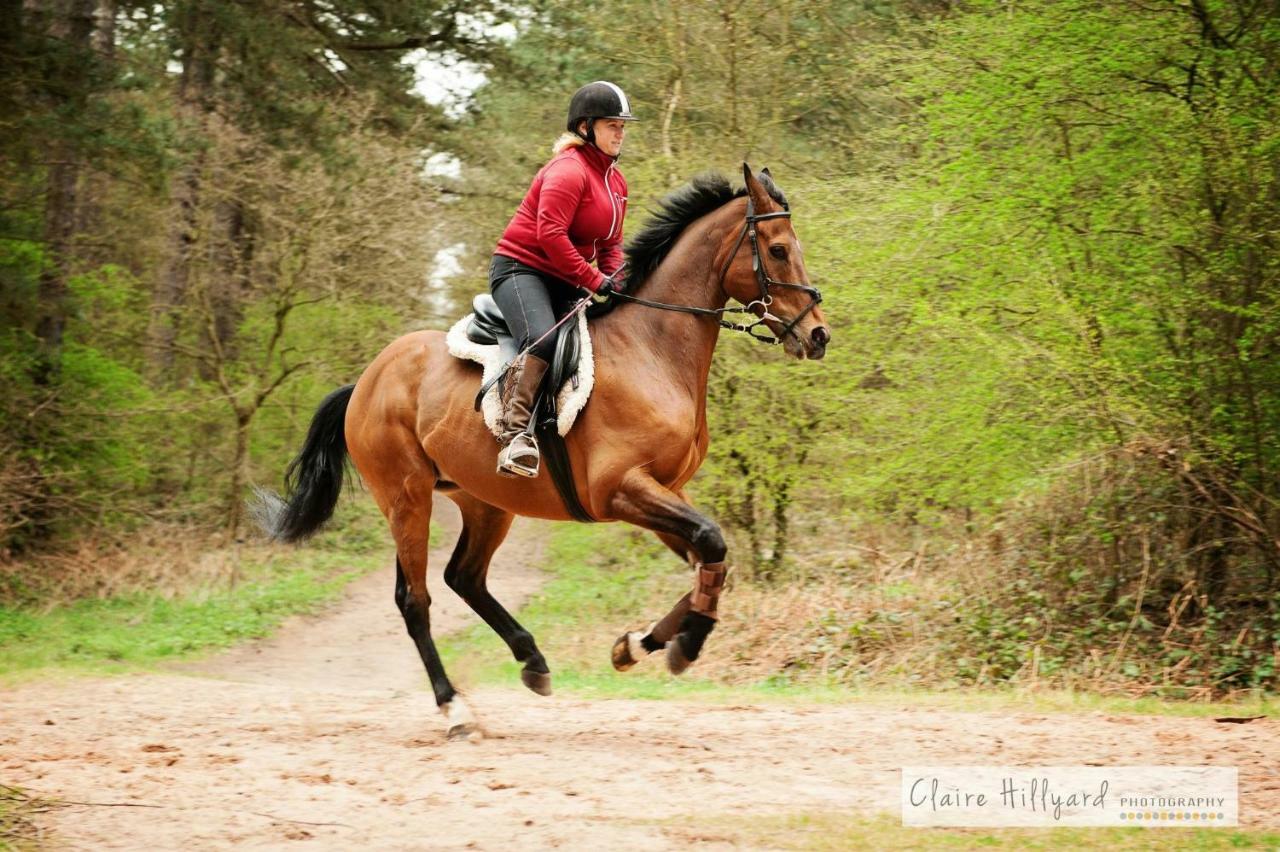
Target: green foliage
(67, 449)
(191, 188)
(1061, 247)
(1068, 185)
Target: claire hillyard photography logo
(1046, 796)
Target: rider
(571, 215)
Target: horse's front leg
(634, 645)
(642, 501)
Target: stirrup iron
(527, 446)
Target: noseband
(764, 299)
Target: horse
(410, 428)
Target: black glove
(607, 288)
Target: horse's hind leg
(483, 529)
(641, 500)
(410, 517)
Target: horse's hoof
(621, 654)
(677, 659)
(468, 732)
(628, 651)
(462, 725)
(539, 682)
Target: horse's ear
(759, 198)
(765, 171)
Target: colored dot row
(1156, 816)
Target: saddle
(488, 327)
(565, 390)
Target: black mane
(675, 212)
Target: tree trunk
(59, 229)
(677, 39)
(201, 40)
(104, 28)
(729, 19)
(94, 182)
(228, 282)
(171, 286)
(68, 27)
(239, 474)
(781, 529)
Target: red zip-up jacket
(571, 215)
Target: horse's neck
(676, 345)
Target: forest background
(1043, 447)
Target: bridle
(764, 299)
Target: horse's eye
(778, 251)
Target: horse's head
(765, 271)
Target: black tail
(313, 480)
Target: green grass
(148, 626)
(145, 627)
(608, 578)
(826, 831)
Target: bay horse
(410, 427)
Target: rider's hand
(607, 288)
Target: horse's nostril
(821, 336)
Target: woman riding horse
(409, 426)
(571, 215)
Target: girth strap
(556, 455)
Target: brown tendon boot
(519, 456)
(706, 594)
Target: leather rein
(764, 299)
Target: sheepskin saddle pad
(482, 336)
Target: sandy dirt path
(327, 737)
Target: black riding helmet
(600, 99)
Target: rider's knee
(545, 349)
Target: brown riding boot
(519, 456)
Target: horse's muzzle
(817, 344)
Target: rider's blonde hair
(566, 140)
